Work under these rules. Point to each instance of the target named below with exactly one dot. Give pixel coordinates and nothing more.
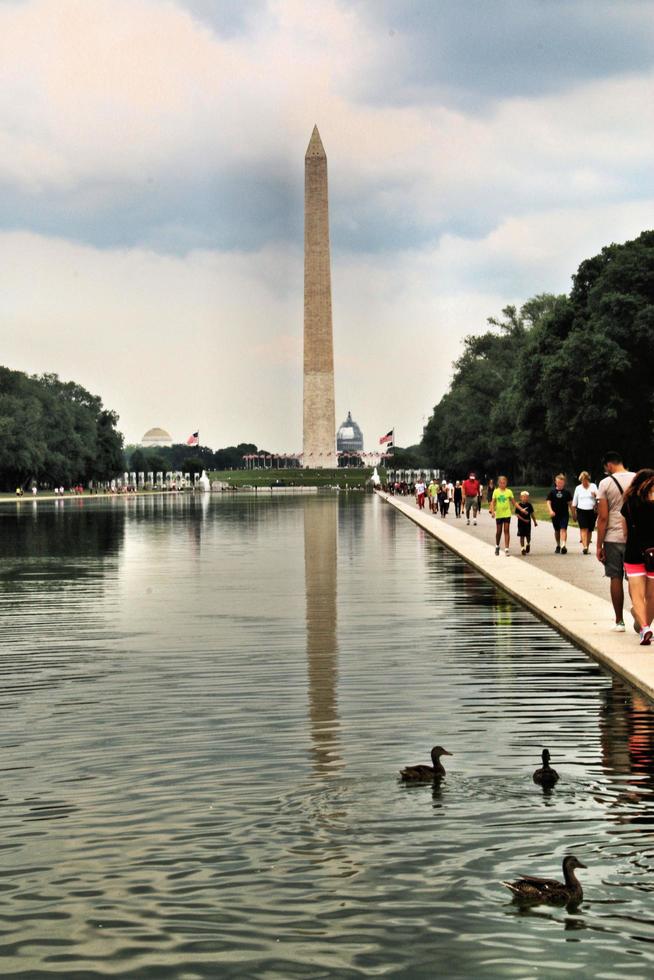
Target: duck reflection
(320, 553)
(627, 739)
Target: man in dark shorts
(611, 541)
(558, 502)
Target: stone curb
(580, 616)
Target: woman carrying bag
(638, 516)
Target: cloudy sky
(151, 191)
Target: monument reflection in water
(320, 572)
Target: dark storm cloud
(240, 212)
(228, 212)
(467, 53)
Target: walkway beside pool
(568, 591)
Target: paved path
(574, 600)
(582, 570)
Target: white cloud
(440, 216)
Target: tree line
(553, 385)
(54, 432)
(162, 459)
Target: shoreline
(581, 616)
(238, 490)
(31, 498)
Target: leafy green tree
(557, 383)
(585, 378)
(109, 446)
(192, 465)
(54, 431)
(139, 460)
(156, 463)
(472, 426)
(413, 458)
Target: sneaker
(528, 549)
(557, 550)
(467, 522)
(584, 551)
(475, 523)
(618, 627)
(645, 636)
(523, 551)
(564, 550)
(497, 550)
(506, 551)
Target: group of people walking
(620, 508)
(464, 495)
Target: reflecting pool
(205, 704)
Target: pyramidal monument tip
(315, 147)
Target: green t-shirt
(501, 500)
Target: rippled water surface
(204, 707)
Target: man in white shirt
(611, 540)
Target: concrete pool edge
(583, 618)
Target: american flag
(194, 440)
(388, 438)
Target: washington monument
(319, 441)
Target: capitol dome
(349, 438)
(157, 437)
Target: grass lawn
(296, 477)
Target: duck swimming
(546, 776)
(424, 774)
(548, 890)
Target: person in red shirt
(471, 488)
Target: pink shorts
(637, 571)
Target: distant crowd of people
(620, 509)
(77, 490)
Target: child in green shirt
(502, 505)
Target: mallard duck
(546, 776)
(549, 890)
(423, 774)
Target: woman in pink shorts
(638, 516)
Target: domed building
(156, 437)
(349, 439)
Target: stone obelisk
(319, 442)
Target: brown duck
(538, 891)
(425, 774)
(546, 776)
